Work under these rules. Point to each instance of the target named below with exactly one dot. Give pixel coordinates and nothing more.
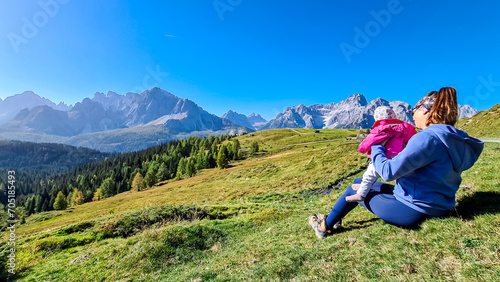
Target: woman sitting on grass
(427, 172)
(396, 135)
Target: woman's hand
(384, 142)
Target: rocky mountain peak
(11, 106)
(466, 111)
(153, 107)
(356, 100)
(353, 112)
(253, 121)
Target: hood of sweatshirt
(463, 149)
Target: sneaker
(319, 226)
(337, 224)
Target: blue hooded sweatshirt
(428, 171)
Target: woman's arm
(420, 151)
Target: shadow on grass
(467, 208)
(370, 222)
(358, 225)
(476, 204)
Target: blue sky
(252, 56)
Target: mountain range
(353, 113)
(252, 121)
(113, 111)
(114, 122)
(11, 106)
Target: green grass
(485, 124)
(278, 139)
(249, 222)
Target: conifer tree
(236, 149)
(80, 180)
(76, 198)
(116, 174)
(190, 168)
(45, 205)
(206, 161)
(98, 195)
(80, 199)
(203, 144)
(21, 214)
(38, 203)
(254, 147)
(70, 195)
(198, 159)
(178, 176)
(60, 202)
(108, 187)
(150, 178)
(138, 184)
(154, 166)
(30, 205)
(229, 150)
(181, 167)
(214, 148)
(222, 160)
(162, 173)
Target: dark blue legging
(381, 202)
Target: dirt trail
(277, 156)
(310, 133)
(322, 141)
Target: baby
(387, 128)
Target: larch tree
(138, 184)
(98, 195)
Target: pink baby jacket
(396, 131)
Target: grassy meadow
(249, 222)
(485, 124)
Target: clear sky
(252, 55)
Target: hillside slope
(485, 124)
(250, 222)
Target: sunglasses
(423, 109)
(423, 105)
